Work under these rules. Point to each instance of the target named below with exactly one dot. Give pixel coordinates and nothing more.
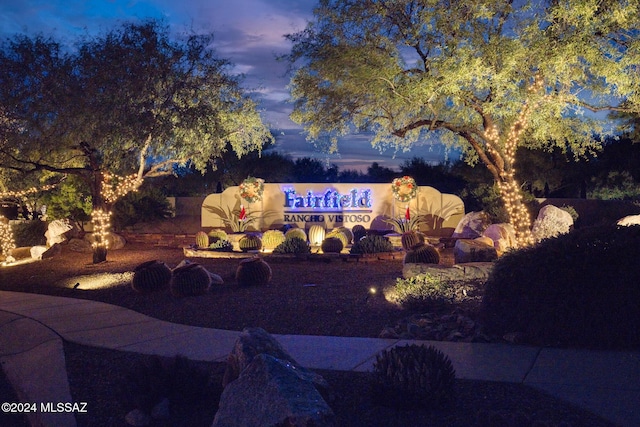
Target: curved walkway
(31, 353)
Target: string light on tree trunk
(101, 221)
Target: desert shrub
(221, 245)
(294, 245)
(332, 245)
(371, 245)
(578, 289)
(413, 376)
(421, 290)
(29, 233)
(146, 205)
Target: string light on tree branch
(116, 186)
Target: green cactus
(332, 245)
(347, 232)
(372, 245)
(296, 232)
(202, 240)
(294, 245)
(423, 254)
(190, 280)
(272, 238)
(253, 271)
(250, 242)
(151, 276)
(413, 376)
(218, 234)
(411, 239)
(339, 234)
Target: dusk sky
(250, 33)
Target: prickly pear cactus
(253, 271)
(202, 240)
(151, 276)
(332, 245)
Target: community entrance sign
(333, 205)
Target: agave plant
(402, 225)
(239, 220)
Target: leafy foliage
(29, 233)
(424, 290)
(147, 205)
(579, 288)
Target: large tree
(486, 76)
(120, 107)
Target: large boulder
(629, 220)
(79, 245)
(37, 251)
(271, 392)
(551, 222)
(503, 236)
(55, 231)
(467, 250)
(472, 225)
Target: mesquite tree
(119, 108)
(485, 76)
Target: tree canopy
(486, 76)
(118, 108)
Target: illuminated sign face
(330, 200)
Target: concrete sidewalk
(31, 325)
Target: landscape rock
(53, 251)
(467, 271)
(37, 251)
(271, 392)
(503, 236)
(55, 231)
(466, 250)
(472, 225)
(629, 220)
(79, 245)
(551, 222)
(484, 239)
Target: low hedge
(578, 289)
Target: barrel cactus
(296, 232)
(316, 234)
(250, 242)
(413, 376)
(202, 240)
(253, 271)
(423, 254)
(332, 245)
(339, 234)
(151, 276)
(218, 234)
(411, 239)
(272, 238)
(347, 232)
(190, 280)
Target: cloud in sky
(250, 33)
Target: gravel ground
(304, 297)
